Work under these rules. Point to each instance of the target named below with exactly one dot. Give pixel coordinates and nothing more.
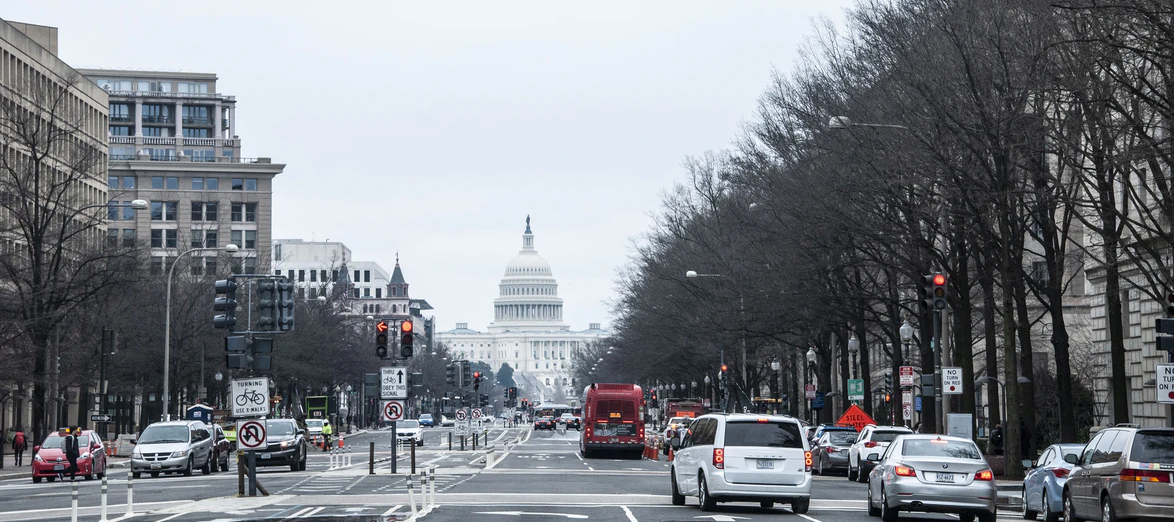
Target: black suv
(286, 445)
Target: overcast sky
(433, 128)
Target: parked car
(742, 458)
(409, 432)
(543, 423)
(870, 438)
(426, 420)
(675, 426)
(173, 447)
(931, 473)
(831, 450)
(1123, 473)
(49, 456)
(1043, 487)
(221, 448)
(824, 428)
(285, 445)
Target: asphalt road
(543, 478)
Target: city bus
(552, 410)
(613, 419)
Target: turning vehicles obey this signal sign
(250, 434)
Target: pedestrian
(996, 441)
(19, 444)
(72, 451)
(917, 427)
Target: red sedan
(49, 457)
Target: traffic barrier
(73, 504)
(103, 519)
(411, 496)
(130, 493)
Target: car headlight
(180, 453)
(136, 454)
(286, 444)
(84, 456)
(38, 458)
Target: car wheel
(851, 472)
(987, 516)
(1108, 514)
(224, 464)
(293, 466)
(862, 475)
(1069, 511)
(966, 517)
(302, 466)
(1046, 510)
(36, 480)
(707, 502)
(888, 514)
(872, 511)
(678, 498)
(187, 472)
(818, 470)
(766, 504)
(135, 475)
(1028, 513)
(801, 505)
(207, 468)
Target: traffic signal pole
(937, 360)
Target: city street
(543, 478)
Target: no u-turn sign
(1165, 380)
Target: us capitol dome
(528, 332)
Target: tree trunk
(962, 328)
(990, 331)
(1026, 365)
(1013, 467)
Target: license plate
(270, 455)
(944, 477)
(156, 466)
(765, 464)
(58, 467)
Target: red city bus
(613, 419)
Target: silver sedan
(932, 473)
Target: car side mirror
(301, 432)
(675, 442)
(1071, 458)
(872, 456)
(134, 442)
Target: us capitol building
(528, 331)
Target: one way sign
(394, 383)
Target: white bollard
(130, 493)
(411, 496)
(432, 483)
(73, 504)
(103, 519)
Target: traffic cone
(670, 459)
(341, 442)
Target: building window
(355, 292)
(323, 276)
(238, 184)
(155, 132)
(157, 182)
(366, 292)
(163, 238)
(119, 130)
(197, 183)
(246, 212)
(251, 184)
(161, 154)
(378, 293)
(154, 86)
(237, 212)
(357, 278)
(128, 182)
(301, 276)
(250, 241)
(313, 276)
(251, 212)
(112, 238)
(196, 115)
(205, 238)
(334, 274)
(366, 276)
(251, 265)
(120, 112)
(172, 183)
(163, 210)
(200, 155)
(277, 254)
(129, 237)
(192, 87)
(212, 183)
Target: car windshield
(408, 424)
(1156, 447)
(161, 434)
(886, 436)
(842, 438)
(279, 428)
(56, 441)
(426, 416)
(313, 424)
(773, 434)
(941, 448)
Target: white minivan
(743, 457)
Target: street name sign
(250, 397)
(951, 381)
(393, 410)
(1165, 383)
(856, 389)
(393, 382)
(250, 434)
(906, 376)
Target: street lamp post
(230, 248)
(775, 365)
(708, 393)
(854, 349)
(741, 312)
(219, 377)
(811, 360)
(906, 338)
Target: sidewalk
(11, 471)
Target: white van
(743, 458)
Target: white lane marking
(313, 512)
(809, 519)
(590, 468)
(177, 515)
(392, 510)
(631, 517)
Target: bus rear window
(773, 434)
(615, 410)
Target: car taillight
(985, 474)
(904, 471)
(1145, 475)
(719, 458)
(1060, 472)
(807, 461)
(870, 444)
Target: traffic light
(484, 400)
(381, 339)
(939, 292)
(450, 374)
(407, 331)
(1166, 326)
(925, 293)
(476, 381)
(248, 353)
(267, 305)
(653, 398)
(466, 374)
(285, 305)
(888, 397)
(889, 381)
(225, 303)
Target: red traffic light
(939, 279)
(406, 326)
(725, 368)
(381, 326)
(476, 375)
